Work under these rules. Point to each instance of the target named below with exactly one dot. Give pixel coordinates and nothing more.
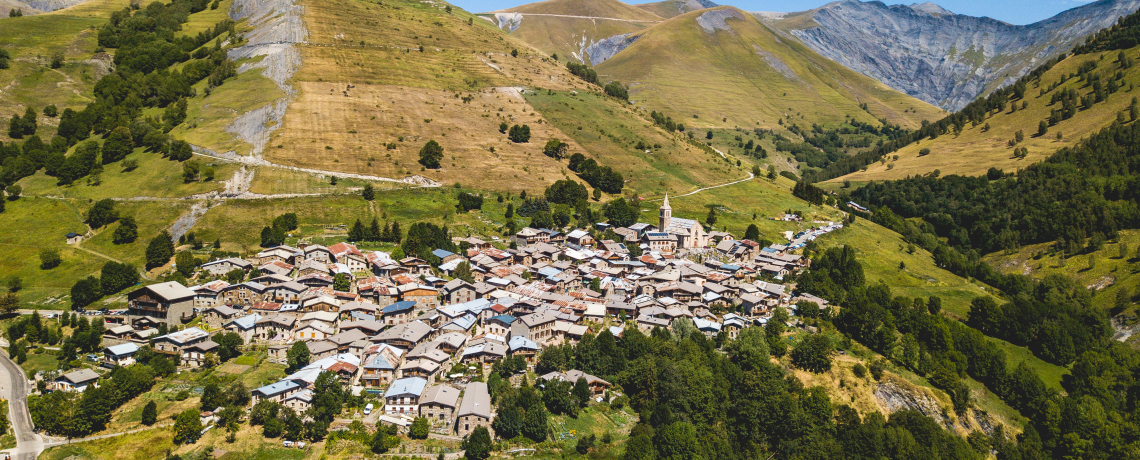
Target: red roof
(342, 366)
(341, 249)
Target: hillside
(940, 57)
(32, 7)
(671, 8)
(33, 40)
(977, 149)
(723, 67)
(572, 29)
(1107, 272)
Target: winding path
(694, 192)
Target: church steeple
(665, 214)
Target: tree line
(1079, 197)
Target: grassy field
(155, 177)
(32, 223)
(976, 150)
(597, 420)
(32, 40)
(158, 442)
(749, 77)
(39, 362)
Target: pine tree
(373, 233)
(356, 233)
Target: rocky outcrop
(893, 395)
(509, 21)
(599, 51)
(944, 58)
(277, 28)
(718, 19)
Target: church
(688, 232)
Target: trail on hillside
(694, 192)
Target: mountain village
(404, 328)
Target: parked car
(368, 409)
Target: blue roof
(508, 319)
(442, 253)
(549, 272)
(412, 385)
(379, 362)
(519, 341)
(277, 388)
(730, 267)
(400, 306)
(123, 348)
(247, 321)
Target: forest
(1092, 419)
(1079, 197)
(696, 402)
(147, 48)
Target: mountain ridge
(725, 54)
(944, 59)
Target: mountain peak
(930, 8)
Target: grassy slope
(1109, 273)
(974, 151)
(670, 8)
(406, 98)
(32, 40)
(593, 8)
(32, 223)
(155, 177)
(565, 36)
(679, 68)
(609, 131)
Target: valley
(400, 228)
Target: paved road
(14, 387)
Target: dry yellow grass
(749, 76)
(326, 130)
(344, 46)
(975, 151)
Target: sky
(1011, 11)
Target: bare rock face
(893, 396)
(944, 58)
(277, 29)
(599, 51)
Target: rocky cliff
(940, 57)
